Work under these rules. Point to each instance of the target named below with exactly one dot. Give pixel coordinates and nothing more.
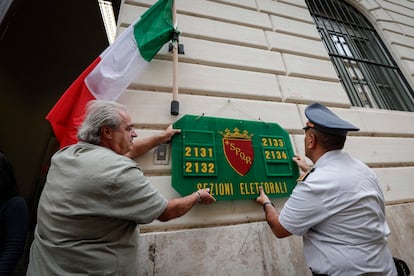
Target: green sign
(232, 157)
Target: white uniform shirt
(339, 210)
(89, 212)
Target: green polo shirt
(89, 214)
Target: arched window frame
(363, 63)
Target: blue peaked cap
(326, 121)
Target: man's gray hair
(100, 113)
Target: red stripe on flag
(68, 113)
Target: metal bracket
(180, 48)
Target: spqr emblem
(238, 149)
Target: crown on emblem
(236, 134)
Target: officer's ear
(312, 140)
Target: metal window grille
(365, 67)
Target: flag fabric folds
(115, 68)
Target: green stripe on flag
(154, 29)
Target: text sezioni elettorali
(245, 188)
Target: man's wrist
(158, 140)
(198, 196)
(267, 203)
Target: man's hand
(300, 161)
(179, 206)
(262, 198)
(143, 145)
(168, 133)
(204, 196)
(272, 215)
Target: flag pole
(175, 105)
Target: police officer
(337, 206)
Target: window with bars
(365, 67)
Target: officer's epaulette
(305, 175)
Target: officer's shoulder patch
(305, 175)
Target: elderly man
(95, 197)
(337, 206)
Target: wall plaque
(232, 157)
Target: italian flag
(111, 73)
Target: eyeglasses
(306, 128)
